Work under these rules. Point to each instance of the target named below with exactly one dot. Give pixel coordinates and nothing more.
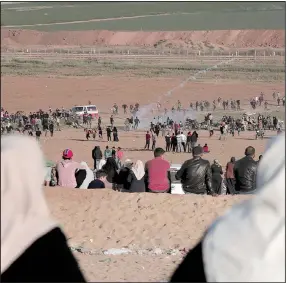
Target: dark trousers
(167, 147)
(109, 138)
(230, 186)
(147, 143)
(174, 147)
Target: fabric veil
(248, 243)
(138, 169)
(25, 215)
(89, 176)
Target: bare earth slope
(222, 38)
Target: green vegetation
(237, 71)
(183, 15)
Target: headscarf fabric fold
(138, 169)
(25, 215)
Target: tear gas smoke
(147, 112)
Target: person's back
(99, 182)
(195, 174)
(245, 171)
(157, 172)
(66, 170)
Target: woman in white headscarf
(89, 176)
(136, 178)
(247, 244)
(33, 247)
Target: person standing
(194, 138)
(183, 141)
(229, 175)
(153, 141)
(97, 155)
(107, 153)
(109, 132)
(157, 173)
(195, 174)
(216, 179)
(167, 142)
(147, 140)
(245, 171)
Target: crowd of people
(196, 175)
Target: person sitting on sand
(111, 169)
(99, 182)
(136, 178)
(157, 173)
(89, 176)
(29, 234)
(66, 170)
(205, 148)
(122, 182)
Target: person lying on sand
(33, 247)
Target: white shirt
(182, 138)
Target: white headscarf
(25, 215)
(248, 243)
(102, 163)
(138, 169)
(89, 177)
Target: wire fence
(275, 56)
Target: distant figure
(216, 180)
(205, 148)
(97, 155)
(230, 179)
(147, 140)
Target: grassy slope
(212, 15)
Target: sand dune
(222, 38)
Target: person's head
(128, 163)
(197, 151)
(232, 160)
(216, 162)
(250, 151)
(147, 132)
(101, 175)
(107, 147)
(67, 154)
(158, 152)
(119, 148)
(182, 133)
(205, 145)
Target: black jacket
(245, 171)
(48, 259)
(97, 153)
(195, 176)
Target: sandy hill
(209, 39)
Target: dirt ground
(101, 220)
(105, 219)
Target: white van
(89, 109)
